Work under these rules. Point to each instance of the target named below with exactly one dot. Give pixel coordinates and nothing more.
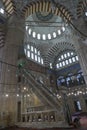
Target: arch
(56, 49)
(9, 6)
(2, 26)
(81, 7)
(2, 37)
(45, 6)
(66, 50)
(66, 58)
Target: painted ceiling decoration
(9, 7)
(46, 6)
(82, 5)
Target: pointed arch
(9, 6)
(2, 37)
(45, 6)
(55, 50)
(81, 7)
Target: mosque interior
(43, 62)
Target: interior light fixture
(6, 95)
(24, 88)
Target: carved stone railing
(40, 116)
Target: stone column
(36, 117)
(82, 101)
(25, 117)
(30, 120)
(81, 49)
(47, 118)
(14, 39)
(42, 119)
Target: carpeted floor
(16, 128)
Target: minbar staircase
(42, 90)
(48, 98)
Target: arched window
(44, 37)
(29, 31)
(54, 34)
(50, 33)
(49, 36)
(1, 10)
(80, 77)
(38, 36)
(59, 32)
(68, 80)
(34, 34)
(61, 81)
(66, 59)
(32, 53)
